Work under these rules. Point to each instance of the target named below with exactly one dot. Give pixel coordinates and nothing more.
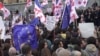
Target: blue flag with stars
(35, 22)
(66, 16)
(24, 34)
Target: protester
(6, 49)
(91, 50)
(58, 45)
(26, 50)
(76, 53)
(64, 52)
(12, 51)
(43, 49)
(1, 49)
(58, 42)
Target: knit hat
(91, 48)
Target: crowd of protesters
(59, 42)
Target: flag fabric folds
(66, 15)
(35, 22)
(28, 4)
(73, 14)
(6, 12)
(57, 8)
(38, 11)
(24, 34)
(79, 3)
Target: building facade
(13, 1)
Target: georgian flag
(73, 14)
(6, 12)
(38, 11)
(79, 3)
(28, 4)
(57, 8)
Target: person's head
(7, 40)
(64, 52)
(98, 42)
(91, 48)
(12, 51)
(6, 46)
(75, 32)
(57, 44)
(91, 40)
(76, 53)
(16, 12)
(75, 41)
(42, 44)
(26, 49)
(83, 45)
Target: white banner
(2, 27)
(50, 22)
(87, 29)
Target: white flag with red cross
(57, 8)
(38, 11)
(6, 12)
(73, 14)
(80, 3)
(28, 4)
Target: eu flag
(35, 22)
(24, 34)
(66, 16)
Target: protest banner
(50, 23)
(87, 29)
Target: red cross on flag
(38, 11)
(57, 8)
(6, 12)
(80, 3)
(28, 4)
(73, 14)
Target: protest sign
(50, 22)
(86, 29)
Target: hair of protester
(56, 44)
(75, 41)
(64, 52)
(6, 46)
(75, 53)
(41, 44)
(26, 48)
(91, 40)
(7, 40)
(12, 51)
